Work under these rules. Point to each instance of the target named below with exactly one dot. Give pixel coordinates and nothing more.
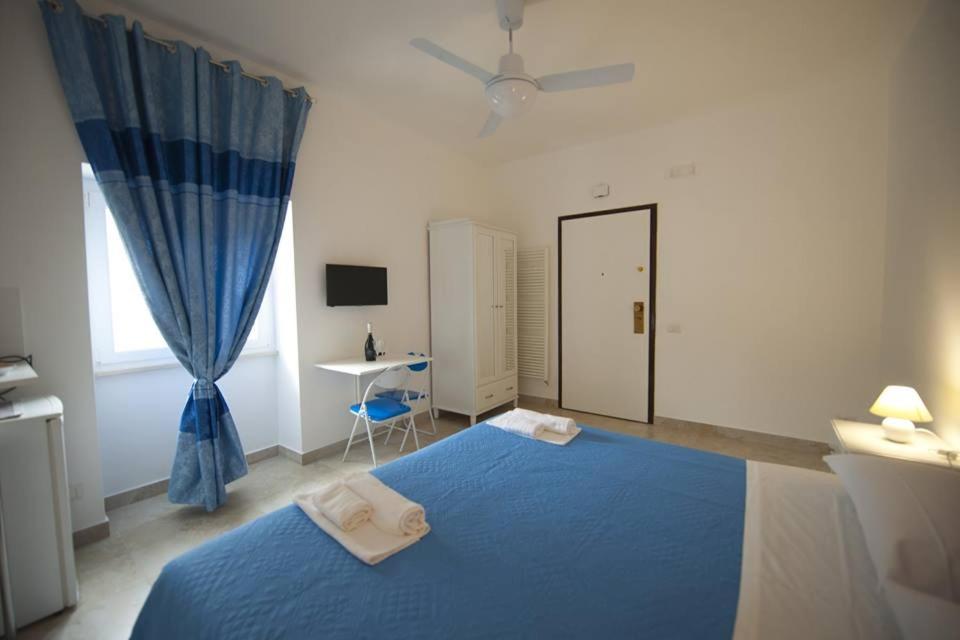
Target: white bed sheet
(806, 572)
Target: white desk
(358, 367)
(862, 437)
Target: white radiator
(532, 312)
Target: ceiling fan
(511, 91)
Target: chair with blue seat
(413, 394)
(382, 411)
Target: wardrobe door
(507, 305)
(485, 273)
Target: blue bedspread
(610, 536)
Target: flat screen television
(353, 286)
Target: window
(124, 334)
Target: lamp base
(898, 430)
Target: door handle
(638, 313)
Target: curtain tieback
(204, 388)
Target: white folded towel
(556, 424)
(538, 426)
(518, 423)
(342, 506)
(558, 438)
(392, 512)
(367, 543)
(381, 535)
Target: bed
(610, 536)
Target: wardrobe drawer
(496, 393)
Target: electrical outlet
(76, 491)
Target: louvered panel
(532, 312)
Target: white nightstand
(862, 437)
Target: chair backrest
(419, 381)
(381, 381)
(420, 366)
(395, 378)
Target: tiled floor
(115, 574)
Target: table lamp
(900, 408)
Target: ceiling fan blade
(585, 78)
(493, 121)
(441, 54)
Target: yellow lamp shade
(901, 402)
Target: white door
(485, 273)
(507, 302)
(605, 314)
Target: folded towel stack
(519, 423)
(557, 424)
(342, 506)
(539, 426)
(392, 512)
(370, 520)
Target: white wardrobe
(473, 316)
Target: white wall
(922, 299)
(770, 258)
(363, 193)
(138, 415)
(42, 242)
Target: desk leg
(6, 594)
(356, 387)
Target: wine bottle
(369, 350)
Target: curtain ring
(55, 5)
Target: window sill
(123, 368)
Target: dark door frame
(652, 208)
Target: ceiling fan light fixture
(511, 97)
(511, 91)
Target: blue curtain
(196, 163)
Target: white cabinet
(473, 316)
(36, 510)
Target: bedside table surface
(863, 437)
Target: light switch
(673, 327)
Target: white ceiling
(691, 55)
